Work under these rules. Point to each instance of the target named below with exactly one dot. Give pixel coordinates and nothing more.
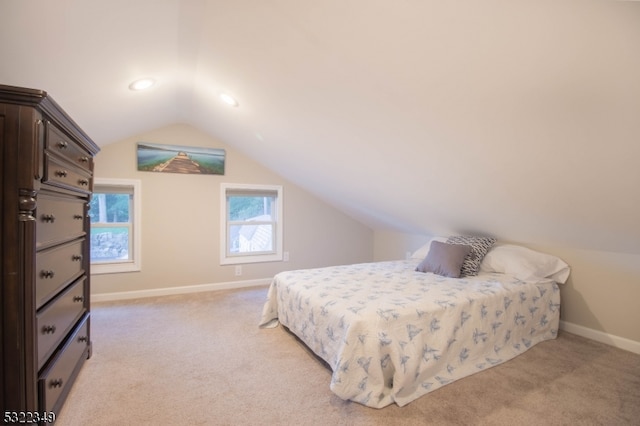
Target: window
(251, 225)
(115, 226)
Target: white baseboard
(155, 292)
(599, 336)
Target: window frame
(276, 255)
(102, 185)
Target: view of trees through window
(110, 227)
(251, 223)
(109, 208)
(248, 207)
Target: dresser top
(49, 107)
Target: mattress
(391, 334)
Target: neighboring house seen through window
(115, 226)
(251, 226)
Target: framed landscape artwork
(154, 157)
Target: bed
(391, 333)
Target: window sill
(114, 268)
(242, 260)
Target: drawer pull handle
(78, 298)
(55, 383)
(62, 144)
(47, 273)
(78, 217)
(83, 159)
(48, 218)
(76, 257)
(61, 173)
(83, 182)
(48, 329)
(83, 339)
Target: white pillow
(524, 263)
(423, 251)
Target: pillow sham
(525, 263)
(444, 259)
(423, 251)
(479, 248)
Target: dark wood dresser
(46, 176)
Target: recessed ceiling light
(228, 99)
(142, 84)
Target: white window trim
(135, 264)
(270, 257)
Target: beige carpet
(200, 359)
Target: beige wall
(603, 290)
(181, 220)
(601, 294)
(180, 238)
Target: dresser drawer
(59, 173)
(58, 143)
(57, 267)
(55, 320)
(59, 219)
(54, 383)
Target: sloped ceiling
(516, 119)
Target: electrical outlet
(238, 270)
(286, 256)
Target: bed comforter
(391, 335)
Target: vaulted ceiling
(517, 119)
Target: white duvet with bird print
(391, 334)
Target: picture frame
(161, 158)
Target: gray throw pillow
(444, 259)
